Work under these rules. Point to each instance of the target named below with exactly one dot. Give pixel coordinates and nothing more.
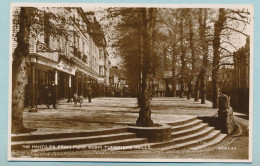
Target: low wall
(153, 134)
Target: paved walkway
(111, 112)
(115, 112)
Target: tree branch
(236, 31)
(241, 20)
(230, 44)
(239, 13)
(222, 48)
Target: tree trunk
(174, 87)
(144, 118)
(218, 27)
(189, 91)
(203, 87)
(197, 88)
(183, 62)
(204, 47)
(192, 55)
(19, 74)
(174, 67)
(139, 91)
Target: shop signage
(43, 62)
(66, 68)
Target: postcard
(131, 82)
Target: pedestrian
(47, 96)
(75, 99)
(53, 94)
(89, 94)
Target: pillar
(76, 83)
(96, 88)
(87, 84)
(33, 89)
(82, 84)
(56, 84)
(69, 95)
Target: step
(192, 143)
(186, 125)
(191, 130)
(73, 141)
(215, 141)
(179, 140)
(27, 137)
(97, 146)
(193, 136)
(182, 121)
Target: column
(96, 88)
(87, 84)
(82, 84)
(56, 85)
(76, 83)
(69, 91)
(33, 89)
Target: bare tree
(204, 48)
(222, 31)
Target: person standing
(89, 94)
(53, 94)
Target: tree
(133, 37)
(30, 22)
(192, 50)
(183, 53)
(19, 70)
(148, 25)
(204, 48)
(222, 31)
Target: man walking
(53, 95)
(89, 94)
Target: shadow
(25, 130)
(179, 106)
(246, 117)
(212, 121)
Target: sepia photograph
(130, 82)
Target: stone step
(112, 145)
(73, 140)
(191, 130)
(181, 122)
(193, 136)
(215, 141)
(42, 136)
(192, 143)
(186, 125)
(178, 140)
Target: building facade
(241, 80)
(70, 59)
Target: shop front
(41, 73)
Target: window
(101, 54)
(101, 71)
